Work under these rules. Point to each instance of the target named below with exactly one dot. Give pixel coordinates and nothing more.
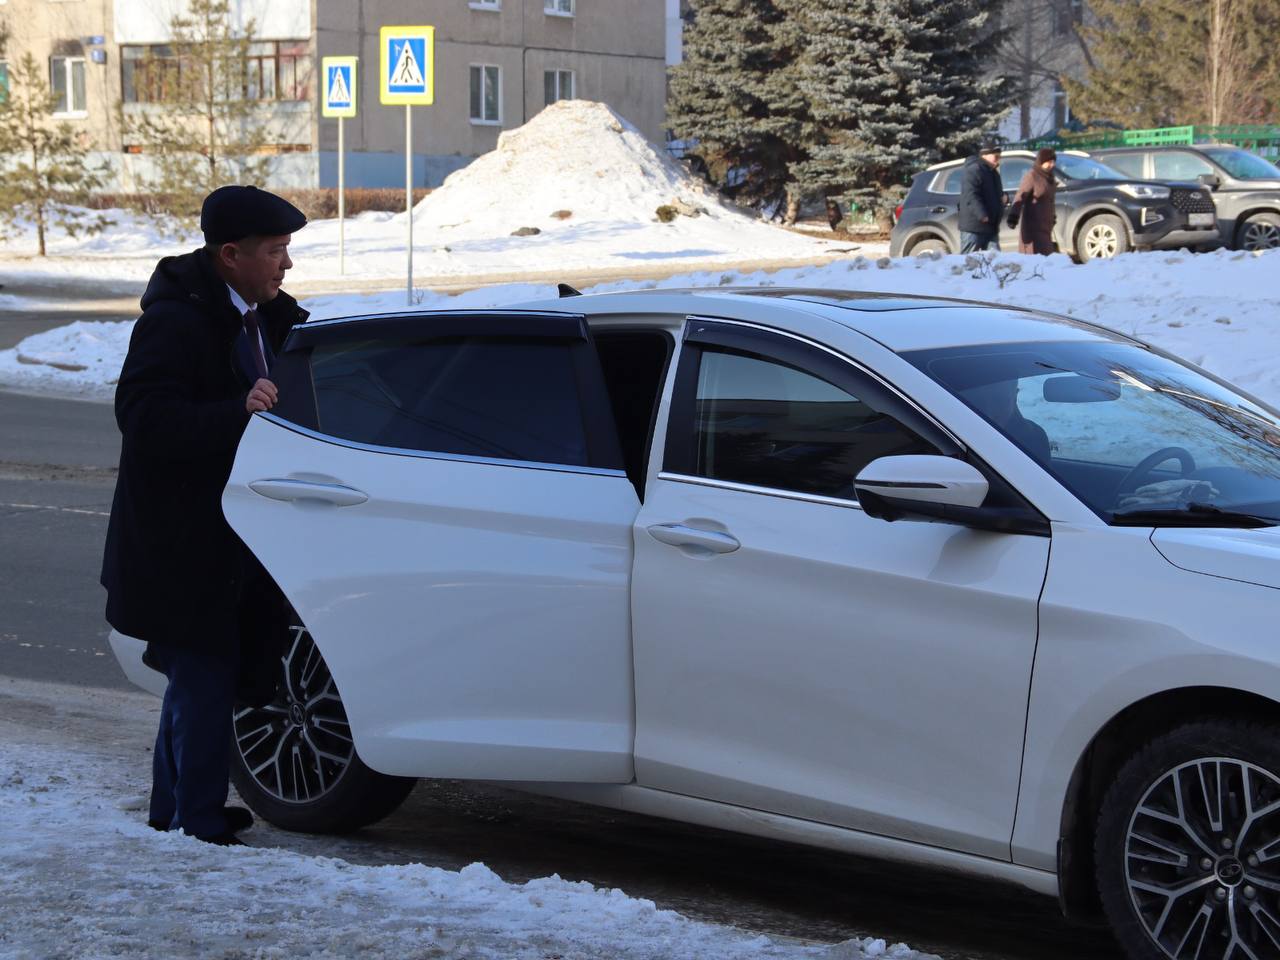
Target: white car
(635, 549)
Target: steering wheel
(1132, 479)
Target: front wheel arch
(1111, 747)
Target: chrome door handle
(680, 535)
(284, 489)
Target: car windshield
(1084, 168)
(1124, 428)
(1244, 165)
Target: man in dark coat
(981, 200)
(176, 575)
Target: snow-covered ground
(1220, 310)
(578, 173)
(81, 876)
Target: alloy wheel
(1202, 861)
(1260, 235)
(297, 747)
(1101, 241)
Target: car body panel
(864, 623)
(1236, 199)
(1109, 641)
(453, 567)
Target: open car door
(441, 498)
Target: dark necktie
(255, 342)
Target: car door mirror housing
(942, 490)
(1209, 180)
(894, 488)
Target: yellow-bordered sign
(408, 62)
(339, 94)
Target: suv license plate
(1200, 219)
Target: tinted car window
(767, 424)
(509, 399)
(947, 181)
(1130, 164)
(1012, 170)
(1179, 165)
(1245, 165)
(1083, 168)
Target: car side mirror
(1210, 180)
(921, 488)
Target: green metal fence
(1262, 139)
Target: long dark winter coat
(175, 572)
(1034, 206)
(981, 195)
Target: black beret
(233, 213)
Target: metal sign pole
(342, 200)
(408, 189)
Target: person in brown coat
(1033, 205)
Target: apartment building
(1040, 44)
(497, 63)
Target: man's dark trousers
(974, 242)
(191, 764)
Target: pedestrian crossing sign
(339, 86)
(408, 65)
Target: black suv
(1246, 188)
(1101, 212)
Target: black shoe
(238, 818)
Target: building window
(273, 70)
(486, 93)
(557, 85)
(485, 4)
(66, 80)
(1067, 15)
(4, 80)
(558, 8)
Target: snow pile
(88, 879)
(576, 156)
(1219, 310)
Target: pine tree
(207, 128)
(895, 85)
(47, 177)
(1163, 63)
(736, 96)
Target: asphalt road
(57, 473)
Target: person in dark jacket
(1033, 209)
(176, 575)
(981, 200)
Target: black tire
(1175, 818)
(1260, 232)
(323, 787)
(928, 245)
(1102, 237)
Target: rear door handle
(282, 488)
(681, 535)
(938, 210)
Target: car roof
(900, 322)
(1030, 154)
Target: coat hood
(190, 278)
(186, 278)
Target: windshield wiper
(1192, 515)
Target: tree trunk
(793, 209)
